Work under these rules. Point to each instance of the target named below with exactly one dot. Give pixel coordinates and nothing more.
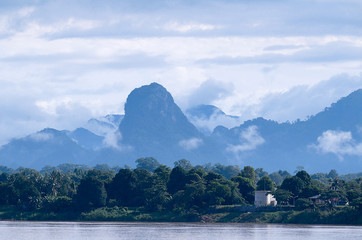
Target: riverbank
(343, 216)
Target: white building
(264, 198)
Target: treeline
(153, 187)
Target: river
(174, 231)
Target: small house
(264, 198)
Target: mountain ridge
(153, 125)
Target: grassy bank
(346, 216)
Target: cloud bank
(63, 62)
(339, 143)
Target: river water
(174, 231)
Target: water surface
(174, 231)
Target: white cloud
(302, 101)
(41, 137)
(114, 140)
(187, 27)
(190, 144)
(339, 143)
(96, 53)
(249, 140)
(207, 125)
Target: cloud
(339, 143)
(335, 51)
(208, 92)
(41, 137)
(190, 144)
(114, 140)
(207, 125)
(183, 28)
(249, 140)
(95, 53)
(302, 101)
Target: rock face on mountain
(153, 125)
(152, 116)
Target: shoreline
(316, 217)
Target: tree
(293, 184)
(91, 193)
(163, 172)
(148, 163)
(309, 191)
(282, 196)
(59, 184)
(248, 172)
(259, 173)
(305, 177)
(144, 181)
(26, 186)
(227, 171)
(177, 180)
(332, 174)
(246, 187)
(185, 164)
(123, 187)
(218, 193)
(279, 176)
(265, 183)
(156, 196)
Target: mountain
(153, 125)
(330, 139)
(86, 138)
(46, 147)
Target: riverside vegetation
(155, 192)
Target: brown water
(174, 231)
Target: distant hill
(153, 125)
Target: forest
(155, 192)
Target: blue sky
(63, 62)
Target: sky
(65, 61)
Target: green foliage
(104, 214)
(226, 171)
(123, 187)
(278, 177)
(91, 193)
(332, 174)
(177, 180)
(305, 177)
(183, 193)
(246, 188)
(26, 186)
(248, 172)
(303, 203)
(265, 183)
(259, 173)
(293, 184)
(283, 196)
(57, 204)
(148, 163)
(183, 163)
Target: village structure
(264, 198)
